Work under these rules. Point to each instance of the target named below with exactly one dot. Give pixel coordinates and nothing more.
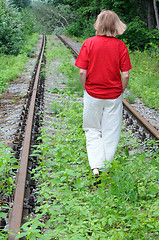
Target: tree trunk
(156, 13)
(151, 17)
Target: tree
(52, 17)
(11, 29)
(141, 17)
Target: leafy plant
(130, 97)
(7, 164)
(11, 29)
(138, 36)
(72, 204)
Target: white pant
(102, 121)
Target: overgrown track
(32, 123)
(131, 115)
(33, 111)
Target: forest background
(22, 20)
(19, 18)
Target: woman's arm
(82, 76)
(125, 79)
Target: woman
(101, 60)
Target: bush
(138, 36)
(11, 29)
(75, 29)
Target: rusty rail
(17, 210)
(75, 53)
(141, 120)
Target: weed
(72, 74)
(56, 108)
(130, 98)
(123, 206)
(7, 164)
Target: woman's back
(104, 57)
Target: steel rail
(141, 120)
(68, 45)
(17, 210)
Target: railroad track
(32, 109)
(131, 115)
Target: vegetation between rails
(71, 203)
(66, 67)
(7, 166)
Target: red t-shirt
(103, 58)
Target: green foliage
(133, 13)
(12, 66)
(4, 233)
(138, 36)
(52, 19)
(72, 74)
(28, 21)
(11, 29)
(74, 205)
(15, 26)
(81, 28)
(7, 164)
(130, 97)
(66, 67)
(144, 77)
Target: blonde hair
(109, 24)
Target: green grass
(64, 56)
(12, 66)
(71, 204)
(7, 164)
(144, 77)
